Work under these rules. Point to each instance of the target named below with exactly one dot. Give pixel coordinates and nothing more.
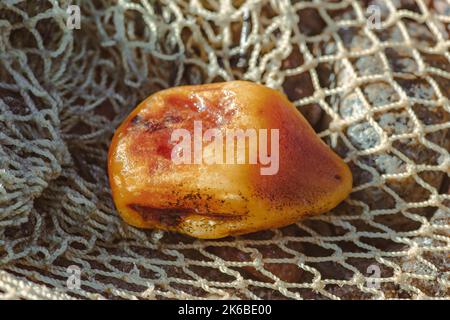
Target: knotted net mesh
(372, 77)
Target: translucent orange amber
(215, 200)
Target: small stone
(207, 197)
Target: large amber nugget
(221, 159)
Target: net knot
(414, 250)
(336, 125)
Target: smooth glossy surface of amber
(217, 200)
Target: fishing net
(372, 77)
